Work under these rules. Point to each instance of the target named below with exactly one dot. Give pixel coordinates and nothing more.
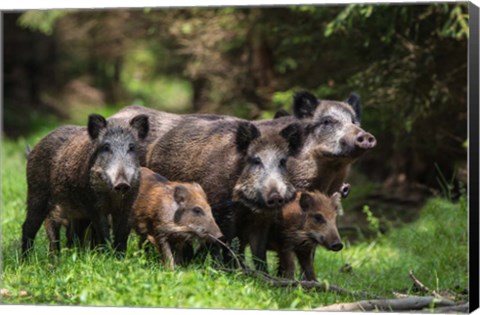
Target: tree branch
(309, 285)
(404, 304)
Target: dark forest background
(407, 62)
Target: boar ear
(95, 124)
(180, 194)
(306, 202)
(246, 133)
(354, 101)
(304, 104)
(140, 123)
(293, 133)
(336, 200)
(281, 113)
(200, 188)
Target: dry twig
(422, 287)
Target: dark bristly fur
(231, 160)
(84, 173)
(280, 113)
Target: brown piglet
(170, 214)
(303, 224)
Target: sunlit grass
(434, 247)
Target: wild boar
(89, 173)
(302, 225)
(169, 214)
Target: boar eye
(327, 121)
(197, 211)
(318, 218)
(255, 161)
(283, 163)
(105, 147)
(131, 147)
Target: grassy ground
(434, 247)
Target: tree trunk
(261, 69)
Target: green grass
(434, 247)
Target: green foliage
(283, 99)
(447, 186)
(343, 21)
(41, 20)
(454, 26)
(457, 24)
(373, 222)
(149, 88)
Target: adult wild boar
(89, 173)
(333, 141)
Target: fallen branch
(310, 285)
(461, 308)
(286, 283)
(404, 304)
(237, 259)
(423, 287)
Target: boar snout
(275, 199)
(218, 235)
(365, 140)
(337, 246)
(121, 187)
(214, 231)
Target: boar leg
(141, 242)
(70, 234)
(85, 233)
(241, 253)
(37, 211)
(183, 252)
(177, 253)
(163, 247)
(121, 230)
(305, 258)
(202, 252)
(187, 252)
(286, 264)
(101, 228)
(145, 245)
(74, 233)
(258, 244)
(53, 233)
